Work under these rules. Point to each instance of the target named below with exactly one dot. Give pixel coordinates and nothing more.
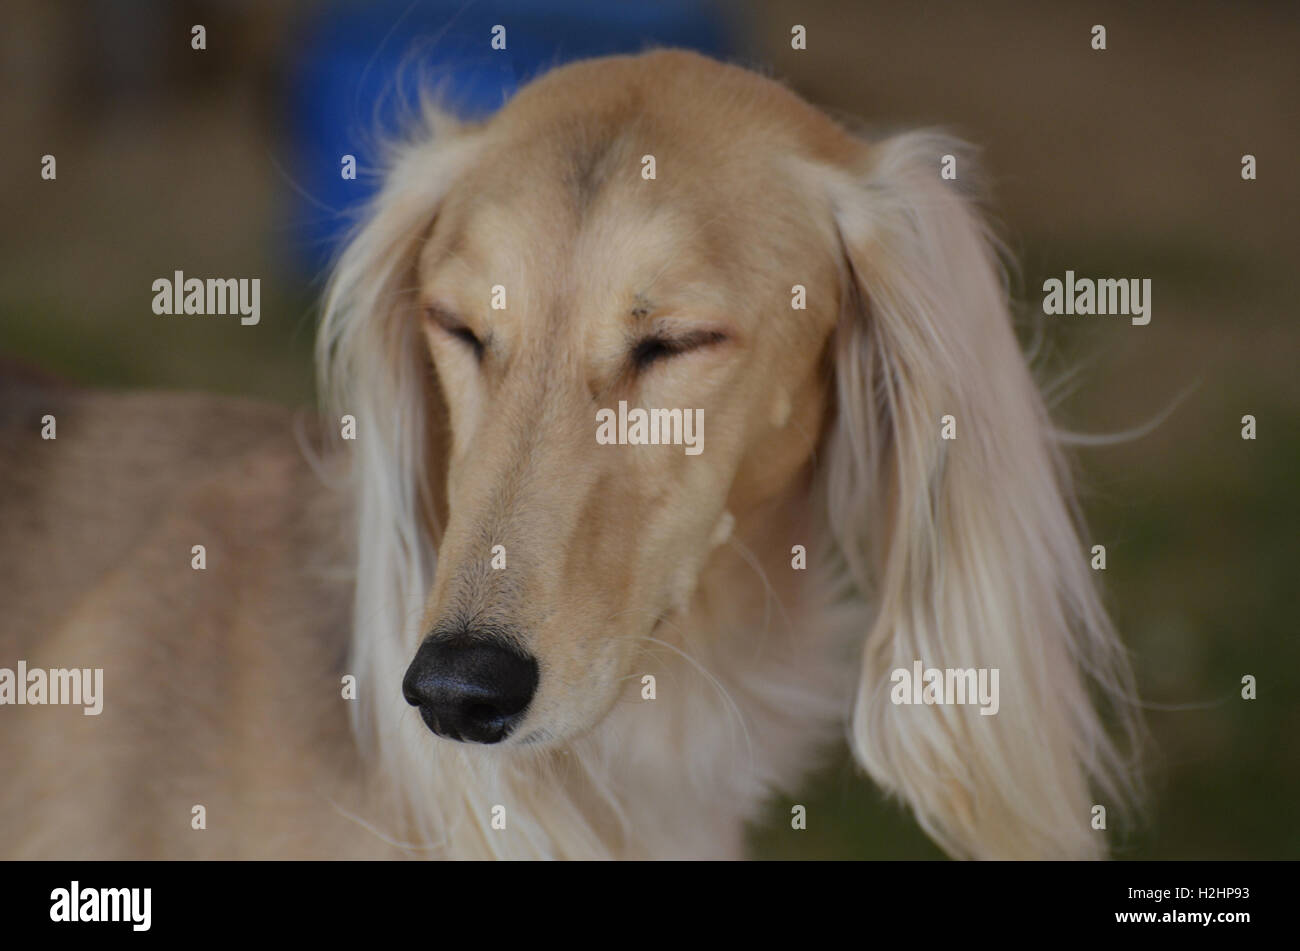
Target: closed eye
(650, 350)
(449, 324)
(464, 333)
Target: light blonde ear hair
(967, 549)
(373, 365)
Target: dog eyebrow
(441, 315)
(641, 307)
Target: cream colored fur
(823, 430)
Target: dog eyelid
(661, 346)
(448, 322)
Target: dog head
(784, 310)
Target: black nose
(472, 690)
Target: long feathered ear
(373, 365)
(966, 548)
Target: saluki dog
(671, 433)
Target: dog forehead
(680, 93)
(534, 234)
(643, 125)
(587, 194)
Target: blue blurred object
(359, 64)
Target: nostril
(470, 689)
(482, 712)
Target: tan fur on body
(821, 429)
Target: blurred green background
(1117, 163)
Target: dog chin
(540, 740)
(549, 732)
(537, 739)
